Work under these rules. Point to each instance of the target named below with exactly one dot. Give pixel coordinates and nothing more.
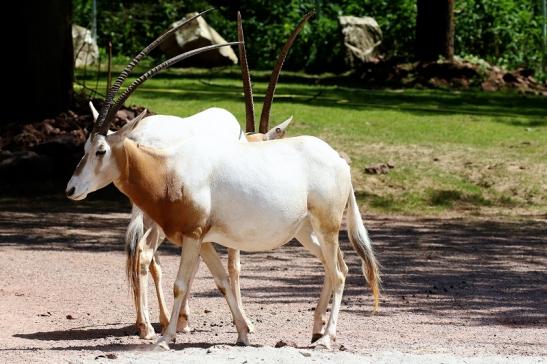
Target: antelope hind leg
(330, 249)
(145, 255)
(309, 240)
(155, 270)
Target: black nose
(70, 192)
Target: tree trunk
(38, 39)
(435, 30)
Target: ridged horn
(101, 126)
(265, 115)
(247, 87)
(149, 74)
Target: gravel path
(455, 290)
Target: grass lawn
(454, 152)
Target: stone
(283, 343)
(194, 35)
(381, 168)
(362, 36)
(86, 51)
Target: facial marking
(81, 165)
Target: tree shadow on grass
(505, 107)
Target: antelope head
(98, 166)
(278, 131)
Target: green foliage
(506, 32)
(319, 48)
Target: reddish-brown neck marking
(146, 180)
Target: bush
(503, 32)
(506, 32)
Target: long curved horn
(265, 116)
(247, 87)
(149, 74)
(104, 112)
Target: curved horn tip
(94, 111)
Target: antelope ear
(132, 124)
(93, 111)
(278, 132)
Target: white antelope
(162, 131)
(245, 196)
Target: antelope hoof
(242, 341)
(250, 326)
(146, 331)
(182, 326)
(322, 343)
(316, 337)
(162, 344)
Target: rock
(70, 317)
(362, 36)
(86, 51)
(509, 78)
(489, 85)
(283, 343)
(194, 35)
(381, 168)
(106, 356)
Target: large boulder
(194, 35)
(86, 51)
(362, 36)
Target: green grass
(465, 152)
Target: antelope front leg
(211, 259)
(189, 255)
(234, 269)
(182, 324)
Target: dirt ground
(455, 288)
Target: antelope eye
(100, 153)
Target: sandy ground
(455, 290)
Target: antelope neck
(147, 181)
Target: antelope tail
(358, 237)
(134, 234)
